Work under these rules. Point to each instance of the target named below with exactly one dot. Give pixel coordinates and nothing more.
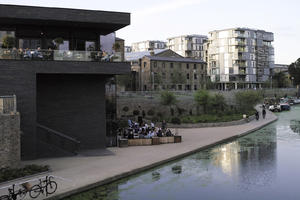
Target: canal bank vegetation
(210, 108)
(7, 174)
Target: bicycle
(48, 186)
(13, 194)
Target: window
(171, 65)
(195, 76)
(187, 76)
(163, 65)
(155, 64)
(195, 87)
(32, 44)
(187, 87)
(179, 87)
(145, 64)
(187, 66)
(195, 66)
(164, 75)
(171, 75)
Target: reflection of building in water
(227, 157)
(251, 159)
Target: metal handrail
(58, 133)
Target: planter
(165, 140)
(177, 138)
(123, 143)
(139, 142)
(155, 141)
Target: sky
(161, 19)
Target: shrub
(175, 120)
(155, 119)
(125, 108)
(10, 174)
(246, 100)
(150, 112)
(180, 110)
(202, 98)
(136, 112)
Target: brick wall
(10, 146)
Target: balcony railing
(8, 104)
(59, 55)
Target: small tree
(294, 70)
(218, 102)
(246, 100)
(168, 99)
(202, 98)
(8, 42)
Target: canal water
(262, 165)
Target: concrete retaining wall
(10, 146)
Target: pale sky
(160, 19)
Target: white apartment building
(239, 57)
(190, 46)
(148, 45)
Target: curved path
(84, 172)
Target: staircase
(52, 143)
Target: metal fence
(8, 104)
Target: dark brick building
(57, 62)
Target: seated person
(168, 133)
(159, 133)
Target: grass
(7, 174)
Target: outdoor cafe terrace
(59, 55)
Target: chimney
(151, 53)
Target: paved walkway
(82, 172)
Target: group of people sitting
(31, 54)
(142, 130)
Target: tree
(294, 70)
(246, 100)
(280, 80)
(8, 42)
(218, 102)
(168, 99)
(202, 98)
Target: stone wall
(10, 146)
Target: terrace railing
(8, 104)
(59, 55)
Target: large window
(29, 43)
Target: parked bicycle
(47, 186)
(14, 194)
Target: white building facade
(189, 46)
(148, 45)
(239, 58)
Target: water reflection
(295, 126)
(258, 166)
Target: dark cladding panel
(45, 16)
(73, 105)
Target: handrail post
(15, 103)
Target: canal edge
(153, 165)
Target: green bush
(155, 119)
(175, 120)
(150, 112)
(136, 112)
(125, 108)
(7, 174)
(246, 100)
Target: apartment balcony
(59, 55)
(242, 72)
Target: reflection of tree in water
(295, 126)
(106, 192)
